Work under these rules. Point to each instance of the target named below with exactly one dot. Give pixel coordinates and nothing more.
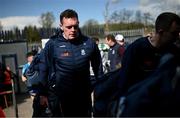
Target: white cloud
(152, 9)
(19, 21)
(115, 1)
(155, 7)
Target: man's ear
(61, 26)
(160, 31)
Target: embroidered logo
(65, 54)
(113, 51)
(62, 46)
(83, 52)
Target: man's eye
(69, 27)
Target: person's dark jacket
(71, 61)
(157, 95)
(139, 61)
(114, 55)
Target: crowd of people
(66, 85)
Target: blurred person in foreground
(142, 57)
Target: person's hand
(118, 66)
(43, 101)
(24, 78)
(107, 63)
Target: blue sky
(87, 9)
(36, 7)
(27, 12)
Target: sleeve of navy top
(127, 69)
(44, 65)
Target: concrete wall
(11, 52)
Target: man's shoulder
(138, 46)
(85, 38)
(139, 42)
(54, 39)
(56, 36)
(26, 65)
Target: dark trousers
(76, 106)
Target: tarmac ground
(24, 106)
(23, 109)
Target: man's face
(170, 36)
(70, 27)
(107, 42)
(30, 59)
(120, 42)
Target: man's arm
(23, 71)
(44, 66)
(128, 69)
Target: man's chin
(72, 37)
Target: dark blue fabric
(139, 61)
(105, 91)
(114, 56)
(32, 73)
(154, 96)
(71, 60)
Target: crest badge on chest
(113, 51)
(83, 52)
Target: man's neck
(65, 36)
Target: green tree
(138, 16)
(90, 23)
(16, 33)
(1, 26)
(32, 34)
(107, 12)
(148, 18)
(92, 28)
(121, 16)
(47, 20)
(116, 17)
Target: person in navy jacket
(114, 53)
(70, 54)
(141, 60)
